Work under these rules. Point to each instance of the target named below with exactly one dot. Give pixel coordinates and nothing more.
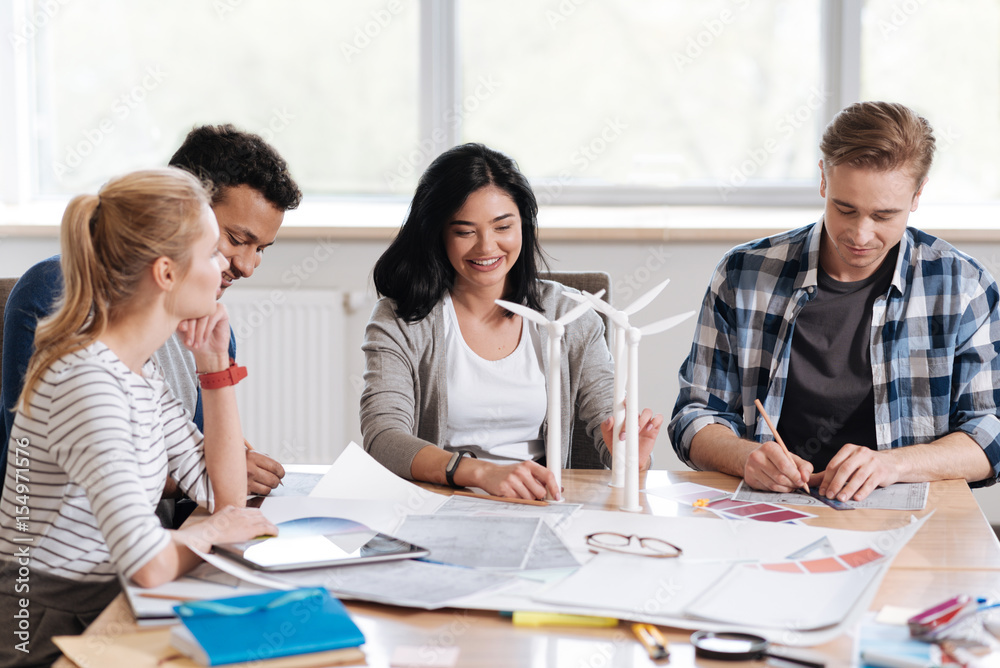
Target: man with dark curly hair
(252, 189)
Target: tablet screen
(315, 542)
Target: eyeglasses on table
(640, 546)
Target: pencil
(529, 502)
(652, 640)
(777, 437)
(170, 597)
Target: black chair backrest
(6, 284)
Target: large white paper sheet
(708, 539)
(378, 515)
(795, 601)
(631, 585)
(356, 475)
(660, 591)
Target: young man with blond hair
(858, 334)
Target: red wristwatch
(224, 378)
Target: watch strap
(452, 467)
(224, 378)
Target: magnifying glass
(727, 646)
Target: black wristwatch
(456, 458)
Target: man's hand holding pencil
(773, 467)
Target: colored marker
(530, 618)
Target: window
(647, 94)
(943, 59)
(333, 86)
(626, 102)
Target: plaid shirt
(935, 339)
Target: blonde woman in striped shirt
(98, 431)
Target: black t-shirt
(829, 398)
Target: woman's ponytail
(108, 240)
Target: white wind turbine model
(625, 463)
(556, 329)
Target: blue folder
(268, 625)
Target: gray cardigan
(404, 406)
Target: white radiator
(292, 342)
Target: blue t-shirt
(32, 298)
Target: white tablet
(319, 542)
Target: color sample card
(784, 515)
(726, 504)
(761, 512)
(834, 564)
(720, 503)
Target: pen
(169, 597)
(529, 502)
(652, 640)
(530, 618)
(777, 438)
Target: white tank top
(495, 408)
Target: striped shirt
(935, 339)
(93, 458)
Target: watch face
(449, 471)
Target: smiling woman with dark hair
(454, 384)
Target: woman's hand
(649, 429)
(524, 480)
(228, 525)
(208, 338)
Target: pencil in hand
(777, 438)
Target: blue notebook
(264, 626)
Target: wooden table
(955, 552)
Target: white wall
(634, 266)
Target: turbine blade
(594, 300)
(644, 300)
(574, 313)
(664, 325)
(524, 312)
